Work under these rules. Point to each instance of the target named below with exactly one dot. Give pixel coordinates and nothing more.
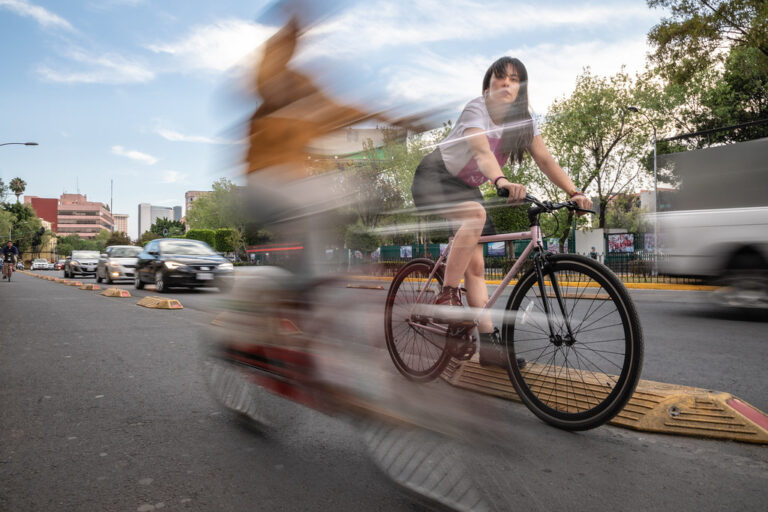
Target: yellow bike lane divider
(154, 302)
(116, 292)
(654, 407)
(90, 286)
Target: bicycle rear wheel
(418, 354)
(578, 382)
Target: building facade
(149, 214)
(121, 222)
(191, 196)
(46, 208)
(78, 216)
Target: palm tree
(17, 185)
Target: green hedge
(204, 235)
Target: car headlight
(75, 262)
(226, 266)
(173, 265)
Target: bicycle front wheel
(417, 353)
(581, 372)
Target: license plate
(204, 276)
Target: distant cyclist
(10, 255)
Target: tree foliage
(713, 59)
(226, 239)
(17, 186)
(175, 228)
(118, 238)
(595, 139)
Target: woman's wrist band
(497, 180)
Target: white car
(117, 262)
(39, 264)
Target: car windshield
(125, 252)
(85, 254)
(186, 248)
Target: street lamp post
(635, 109)
(19, 143)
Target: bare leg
(472, 218)
(477, 291)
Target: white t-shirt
(455, 148)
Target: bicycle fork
(554, 338)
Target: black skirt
(435, 190)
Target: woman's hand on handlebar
(516, 192)
(582, 202)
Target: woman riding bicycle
(491, 130)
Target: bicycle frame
(535, 241)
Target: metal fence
(639, 267)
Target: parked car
(20, 265)
(59, 265)
(117, 262)
(39, 264)
(168, 262)
(81, 263)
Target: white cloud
(356, 32)
(216, 47)
(175, 136)
(41, 15)
(108, 68)
(552, 71)
(134, 155)
(174, 177)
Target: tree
(175, 228)
(146, 237)
(696, 34)
(25, 224)
(594, 139)
(17, 185)
(360, 240)
(713, 58)
(117, 238)
(625, 212)
(224, 207)
(3, 190)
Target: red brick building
(46, 208)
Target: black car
(168, 262)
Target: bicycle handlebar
(546, 205)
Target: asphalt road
(104, 408)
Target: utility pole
(111, 203)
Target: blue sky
(150, 93)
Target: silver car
(117, 262)
(81, 263)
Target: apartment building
(77, 215)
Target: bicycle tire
(573, 386)
(418, 355)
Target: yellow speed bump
(90, 286)
(116, 292)
(74, 283)
(59, 280)
(160, 303)
(655, 406)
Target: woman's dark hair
(516, 139)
